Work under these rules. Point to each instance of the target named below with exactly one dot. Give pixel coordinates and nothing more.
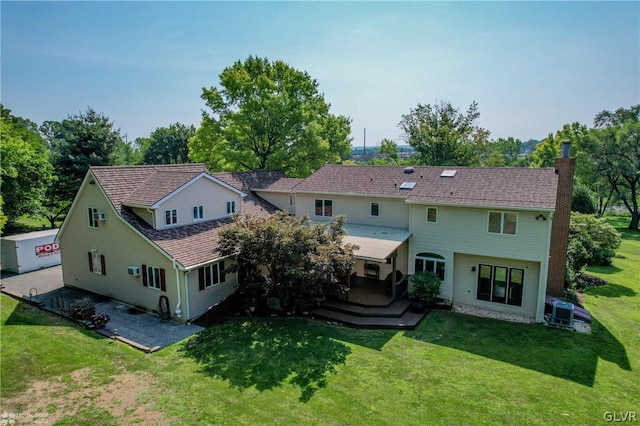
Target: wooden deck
(366, 304)
(397, 315)
(368, 292)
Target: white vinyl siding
(207, 194)
(394, 212)
(464, 230)
(467, 272)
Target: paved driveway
(140, 329)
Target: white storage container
(31, 251)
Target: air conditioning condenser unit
(134, 270)
(562, 314)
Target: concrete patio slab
(142, 330)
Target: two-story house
(147, 235)
(496, 237)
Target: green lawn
(453, 369)
(27, 224)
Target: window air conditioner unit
(134, 270)
(562, 314)
(102, 216)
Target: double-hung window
(432, 215)
(198, 213)
(93, 217)
(500, 284)
(154, 277)
(97, 263)
(171, 217)
(323, 207)
(503, 223)
(375, 209)
(211, 275)
(231, 207)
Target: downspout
(178, 309)
(409, 245)
(542, 285)
(186, 294)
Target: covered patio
(376, 279)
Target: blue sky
(530, 66)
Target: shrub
(425, 286)
(571, 295)
(82, 309)
(577, 260)
(99, 320)
(599, 239)
(582, 200)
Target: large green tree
(582, 147)
(616, 154)
(25, 171)
(503, 152)
(548, 150)
(390, 149)
(167, 145)
(286, 257)
(265, 116)
(445, 136)
(77, 143)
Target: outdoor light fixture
(541, 216)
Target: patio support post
(393, 278)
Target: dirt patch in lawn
(123, 399)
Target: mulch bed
(585, 281)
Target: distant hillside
(358, 150)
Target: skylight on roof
(448, 173)
(407, 185)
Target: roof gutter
(351, 194)
(208, 262)
(481, 206)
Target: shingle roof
(157, 186)
(471, 186)
(120, 182)
(144, 185)
(284, 184)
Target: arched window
(430, 262)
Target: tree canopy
(286, 257)
(77, 143)
(390, 149)
(267, 116)
(503, 152)
(616, 155)
(167, 145)
(25, 171)
(444, 136)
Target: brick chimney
(560, 226)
